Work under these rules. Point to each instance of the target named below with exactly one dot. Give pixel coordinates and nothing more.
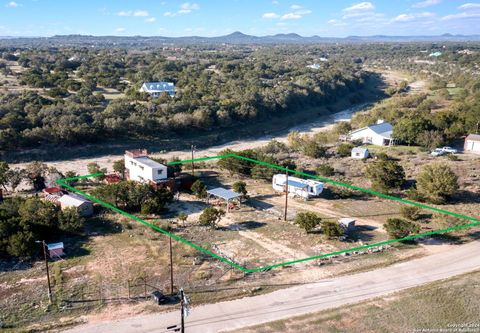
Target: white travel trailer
(304, 188)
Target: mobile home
(304, 188)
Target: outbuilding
(139, 167)
(347, 224)
(55, 250)
(84, 206)
(472, 144)
(360, 153)
(224, 194)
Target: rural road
(322, 123)
(294, 301)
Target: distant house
(314, 66)
(435, 54)
(139, 167)
(472, 144)
(155, 89)
(360, 152)
(84, 206)
(379, 134)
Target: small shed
(224, 194)
(347, 224)
(360, 153)
(158, 297)
(472, 144)
(84, 206)
(55, 250)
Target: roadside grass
(439, 305)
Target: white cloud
(412, 17)
(12, 4)
(120, 29)
(359, 10)
(362, 6)
(291, 16)
(296, 7)
(426, 3)
(275, 2)
(188, 7)
(469, 5)
(136, 13)
(185, 8)
(150, 19)
(270, 16)
(460, 16)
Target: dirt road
(320, 124)
(324, 294)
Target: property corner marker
(472, 221)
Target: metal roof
(359, 150)
(55, 246)
(295, 183)
(72, 200)
(160, 86)
(148, 162)
(473, 137)
(224, 193)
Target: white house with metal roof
(83, 206)
(155, 89)
(379, 134)
(139, 167)
(304, 188)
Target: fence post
(145, 286)
(128, 284)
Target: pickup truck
(443, 151)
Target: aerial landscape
(239, 166)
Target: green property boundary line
(474, 221)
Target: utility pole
(286, 194)
(193, 164)
(182, 316)
(171, 268)
(44, 245)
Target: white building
(83, 206)
(155, 89)
(140, 168)
(302, 187)
(360, 153)
(472, 144)
(379, 134)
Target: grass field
(441, 305)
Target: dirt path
(320, 124)
(284, 252)
(327, 209)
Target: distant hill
(233, 38)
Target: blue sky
(337, 18)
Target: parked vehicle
(438, 152)
(449, 150)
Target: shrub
(314, 150)
(210, 217)
(411, 212)
(400, 228)
(240, 187)
(385, 175)
(199, 189)
(325, 170)
(332, 229)
(70, 220)
(437, 183)
(344, 149)
(307, 221)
